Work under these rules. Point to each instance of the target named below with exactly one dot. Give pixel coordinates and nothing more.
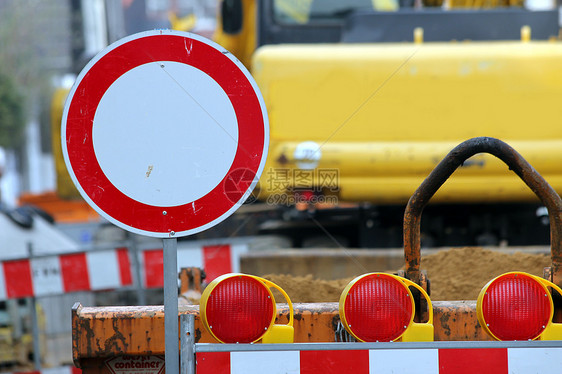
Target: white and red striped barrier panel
(214, 259)
(71, 272)
(59, 370)
(108, 269)
(384, 361)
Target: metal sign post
(171, 305)
(187, 357)
(34, 323)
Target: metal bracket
(443, 171)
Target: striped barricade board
(217, 259)
(109, 269)
(69, 272)
(380, 358)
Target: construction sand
(455, 274)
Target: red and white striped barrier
(214, 259)
(52, 275)
(59, 370)
(108, 269)
(385, 361)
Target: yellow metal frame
(552, 331)
(274, 333)
(415, 332)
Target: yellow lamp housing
(240, 308)
(378, 307)
(518, 306)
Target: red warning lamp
(379, 307)
(518, 306)
(240, 308)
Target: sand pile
(455, 274)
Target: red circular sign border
(158, 47)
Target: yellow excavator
(364, 97)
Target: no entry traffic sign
(165, 133)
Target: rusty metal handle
(455, 158)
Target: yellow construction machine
(364, 97)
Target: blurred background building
(44, 45)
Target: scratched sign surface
(165, 133)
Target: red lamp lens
(516, 307)
(239, 310)
(378, 308)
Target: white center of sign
(177, 113)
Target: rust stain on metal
(106, 332)
(444, 320)
(312, 321)
(457, 321)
